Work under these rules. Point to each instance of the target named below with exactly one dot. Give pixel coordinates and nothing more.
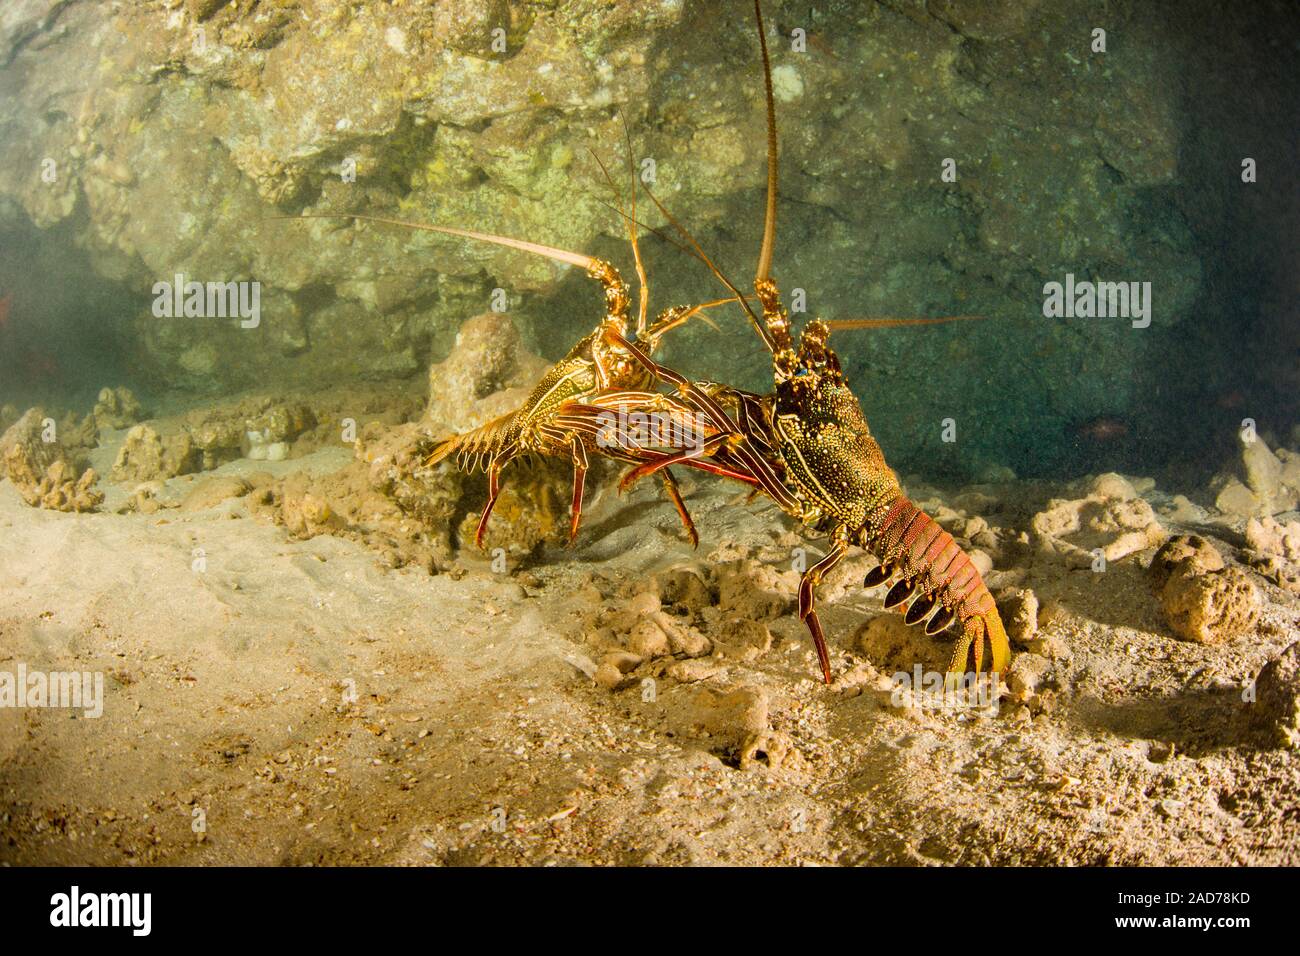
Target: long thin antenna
(769, 218)
(550, 252)
(644, 303)
(643, 284)
(740, 296)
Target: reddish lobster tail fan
(929, 569)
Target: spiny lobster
(604, 369)
(807, 445)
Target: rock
(213, 491)
(42, 471)
(609, 676)
(305, 513)
(682, 638)
(1271, 537)
(147, 498)
(38, 440)
(648, 640)
(755, 591)
(1235, 499)
(767, 747)
(683, 587)
(116, 408)
(1025, 675)
(1262, 483)
(688, 672)
(1188, 554)
(1212, 607)
(890, 645)
(487, 374)
(1275, 713)
(624, 661)
(59, 488)
(742, 639)
(643, 603)
(729, 720)
(1018, 608)
(1110, 519)
(1112, 485)
(1183, 511)
(1275, 550)
(145, 455)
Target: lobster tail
(476, 448)
(926, 567)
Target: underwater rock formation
(116, 408)
(1276, 713)
(414, 111)
(42, 469)
(146, 455)
(1264, 483)
(1203, 600)
(1275, 550)
(1111, 520)
(487, 374)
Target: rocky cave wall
(164, 137)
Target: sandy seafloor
(298, 702)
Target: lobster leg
(808, 596)
(716, 418)
(674, 493)
(494, 489)
(579, 481)
(585, 419)
(650, 467)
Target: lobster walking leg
(704, 450)
(494, 489)
(715, 417)
(675, 495)
(579, 481)
(808, 597)
(612, 437)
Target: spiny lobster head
(812, 369)
(822, 436)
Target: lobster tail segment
(478, 447)
(924, 566)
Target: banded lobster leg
(735, 442)
(808, 596)
(494, 491)
(589, 424)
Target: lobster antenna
(657, 233)
(740, 296)
(643, 284)
(644, 302)
(769, 218)
(549, 252)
